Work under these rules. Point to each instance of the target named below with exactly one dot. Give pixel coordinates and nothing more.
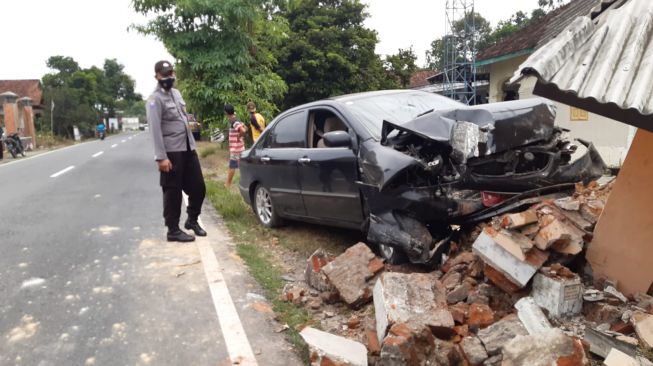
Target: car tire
(392, 255)
(264, 208)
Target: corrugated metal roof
(539, 31)
(608, 59)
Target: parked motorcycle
(14, 145)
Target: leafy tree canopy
(328, 51)
(222, 50)
(84, 96)
(402, 65)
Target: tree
(461, 38)
(222, 50)
(81, 96)
(328, 51)
(402, 65)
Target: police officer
(174, 152)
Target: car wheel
(264, 208)
(392, 255)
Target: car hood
(481, 130)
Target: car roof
(363, 95)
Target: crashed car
(406, 166)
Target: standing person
(257, 121)
(174, 152)
(237, 131)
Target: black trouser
(186, 175)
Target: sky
(92, 30)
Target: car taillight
(490, 199)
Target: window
(321, 121)
(290, 131)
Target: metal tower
(460, 51)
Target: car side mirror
(337, 139)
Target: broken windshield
(398, 108)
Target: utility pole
(460, 51)
(52, 117)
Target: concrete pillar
(8, 100)
(27, 118)
(622, 248)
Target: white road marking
(98, 154)
(238, 347)
(130, 137)
(46, 153)
(62, 171)
(114, 145)
(123, 141)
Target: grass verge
(246, 231)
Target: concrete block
(517, 271)
(532, 316)
(499, 333)
(520, 219)
(552, 347)
(559, 295)
(325, 347)
(644, 328)
(417, 299)
(351, 273)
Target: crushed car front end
(428, 174)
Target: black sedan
(403, 166)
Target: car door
(328, 177)
(278, 163)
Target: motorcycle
(101, 134)
(14, 145)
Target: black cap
(164, 68)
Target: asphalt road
(87, 279)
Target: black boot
(195, 226)
(175, 234)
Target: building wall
(611, 138)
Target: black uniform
(173, 140)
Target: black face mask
(167, 83)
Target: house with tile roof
(501, 60)
(30, 88)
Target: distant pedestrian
(256, 120)
(174, 152)
(237, 131)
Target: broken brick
(406, 345)
(350, 274)
(518, 220)
(293, 293)
(459, 312)
(568, 203)
(353, 322)
(313, 274)
(480, 315)
(622, 327)
(556, 232)
(501, 281)
(515, 243)
(445, 354)
(499, 333)
(373, 345)
(552, 347)
(461, 330)
(416, 299)
(599, 312)
(451, 279)
(459, 294)
(473, 350)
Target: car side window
(321, 121)
(288, 132)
